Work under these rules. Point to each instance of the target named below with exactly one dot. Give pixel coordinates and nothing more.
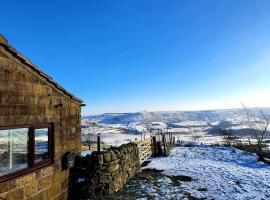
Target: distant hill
(175, 116)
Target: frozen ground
(216, 172)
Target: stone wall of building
(27, 98)
(104, 173)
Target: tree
(90, 133)
(227, 136)
(257, 129)
(195, 135)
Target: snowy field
(117, 139)
(216, 172)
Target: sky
(148, 55)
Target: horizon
(133, 56)
(161, 111)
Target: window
(24, 149)
(13, 150)
(41, 144)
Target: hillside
(178, 119)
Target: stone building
(39, 124)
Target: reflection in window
(41, 144)
(13, 150)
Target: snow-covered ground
(221, 172)
(86, 152)
(117, 139)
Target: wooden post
(98, 143)
(164, 143)
(154, 146)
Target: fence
(145, 149)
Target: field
(201, 172)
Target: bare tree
(90, 134)
(257, 128)
(227, 136)
(195, 135)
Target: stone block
(105, 178)
(4, 109)
(45, 182)
(4, 98)
(20, 76)
(107, 157)
(54, 190)
(46, 171)
(41, 195)
(17, 194)
(31, 189)
(60, 175)
(113, 168)
(6, 186)
(64, 184)
(16, 99)
(113, 155)
(27, 179)
(3, 195)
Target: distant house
(39, 124)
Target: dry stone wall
(104, 173)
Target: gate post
(98, 143)
(154, 146)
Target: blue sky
(132, 55)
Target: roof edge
(4, 42)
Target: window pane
(13, 150)
(41, 144)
